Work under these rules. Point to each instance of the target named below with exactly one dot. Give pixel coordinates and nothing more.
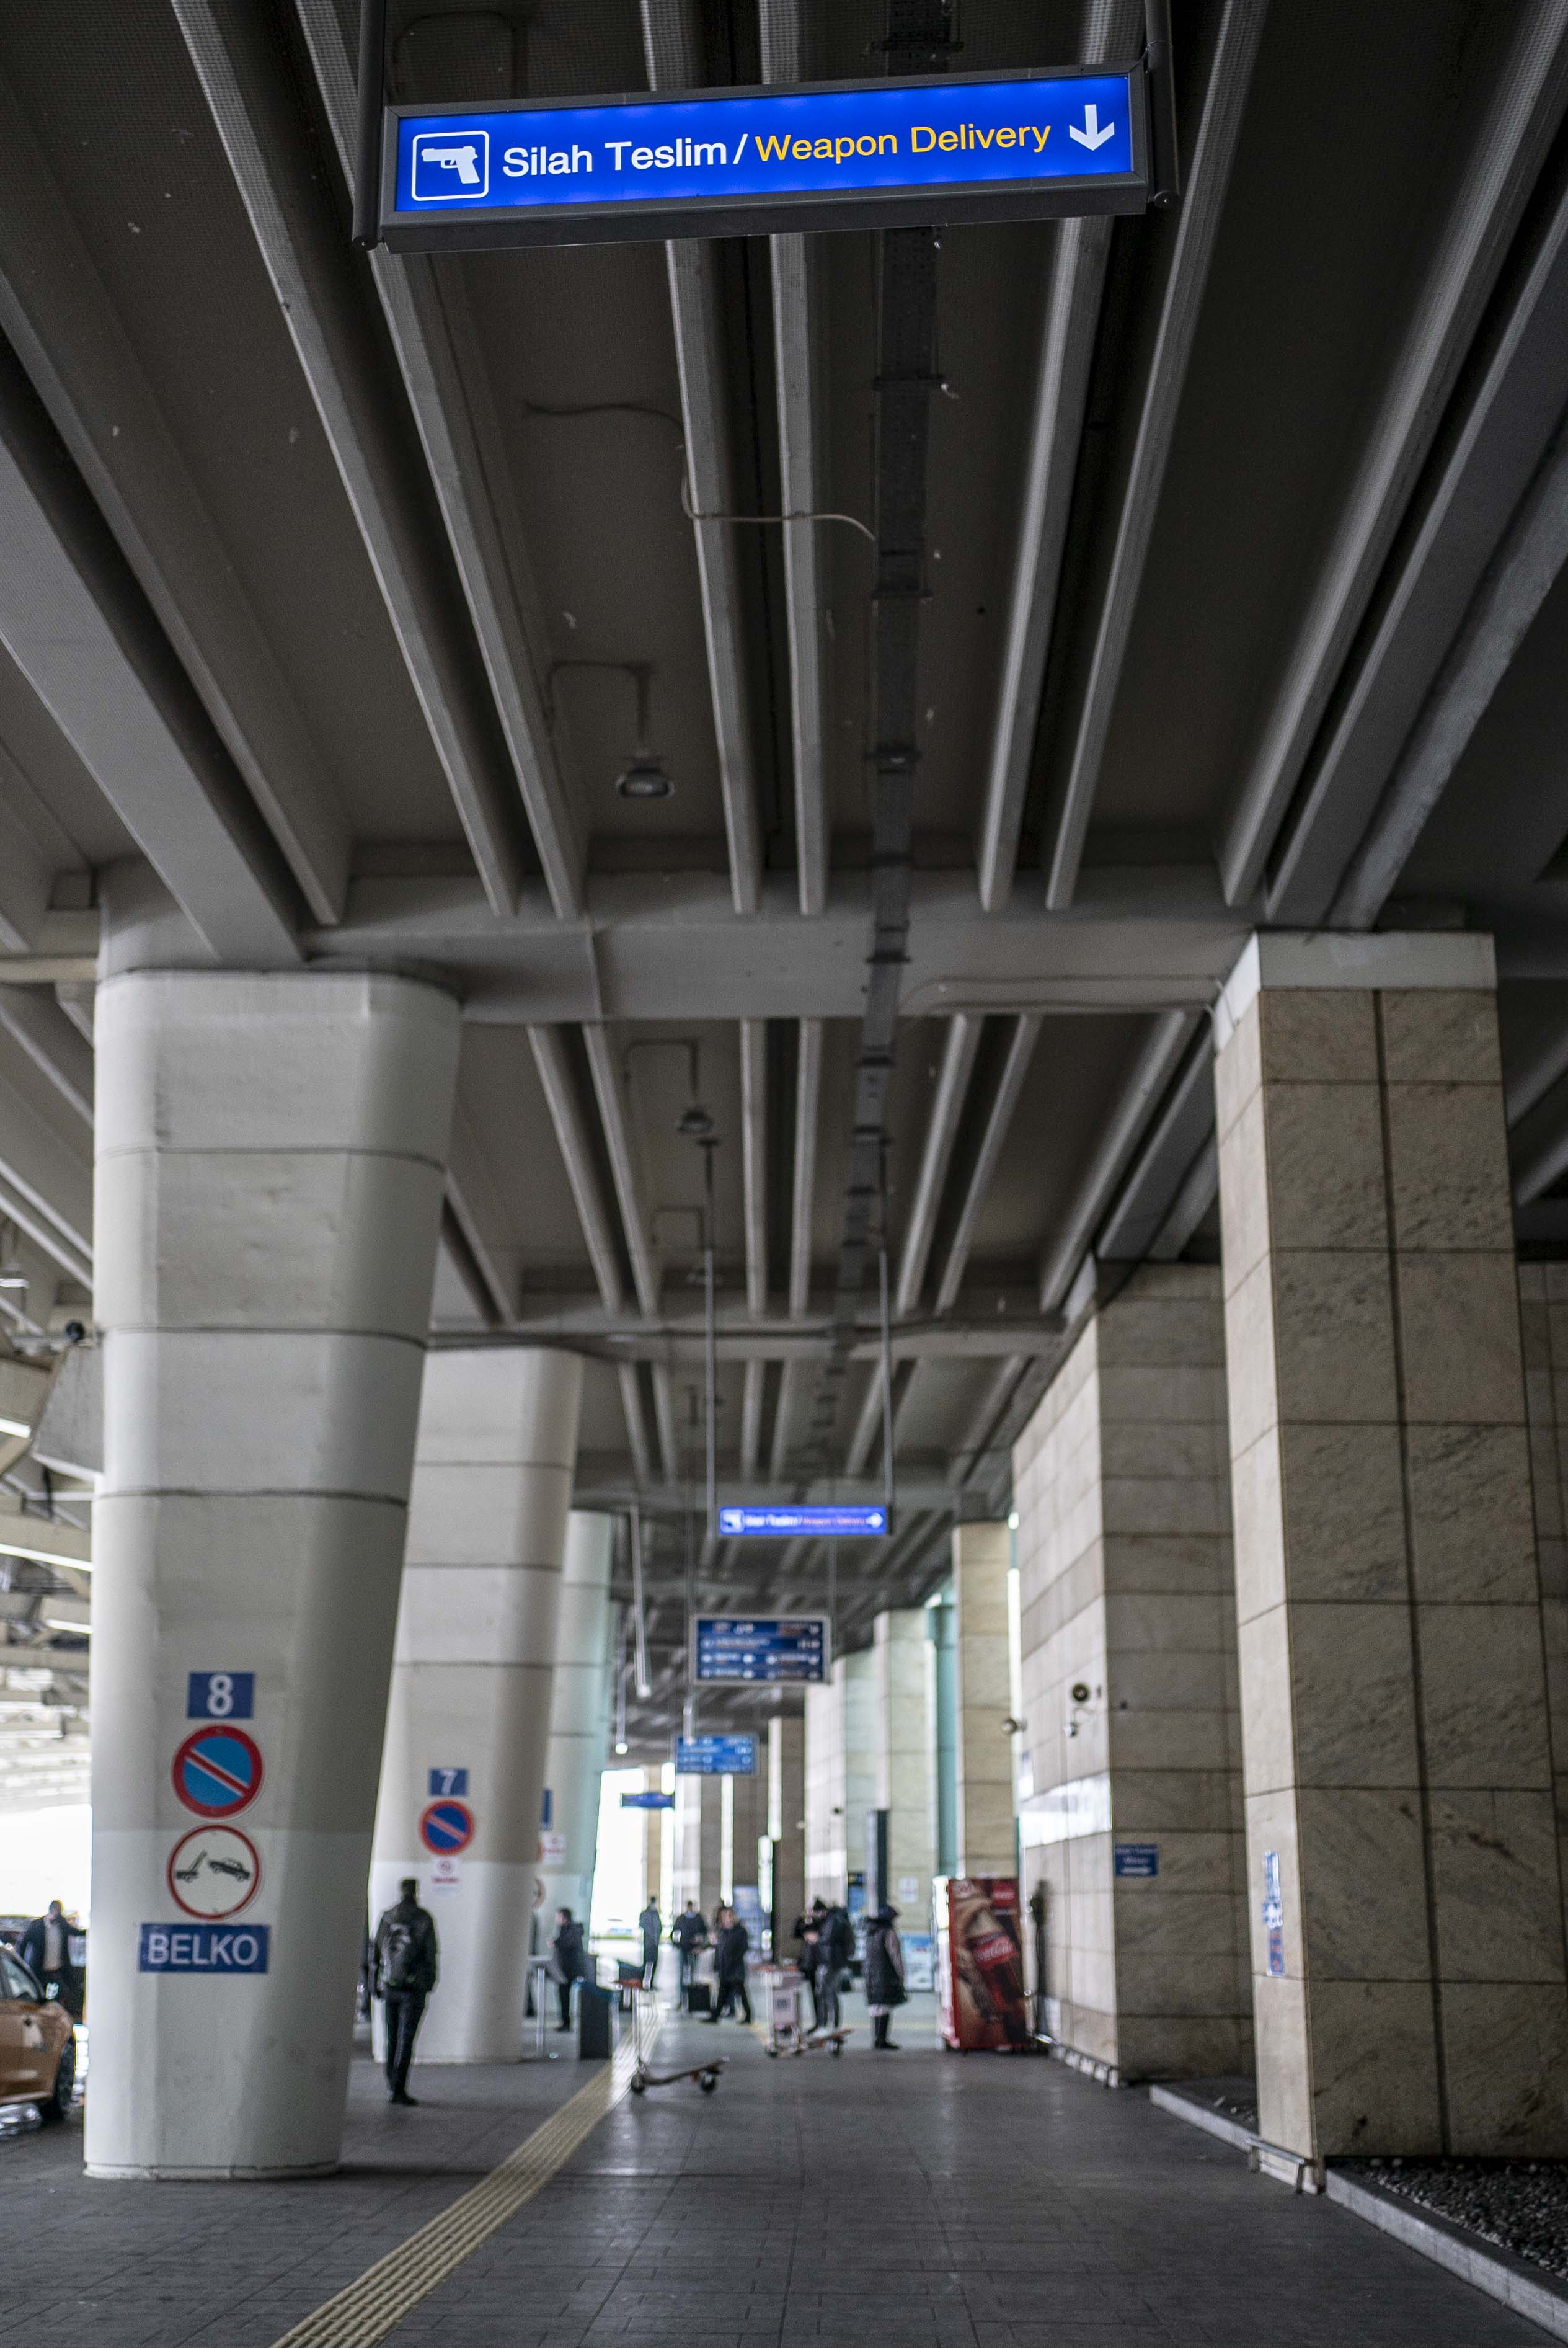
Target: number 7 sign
(448, 1781)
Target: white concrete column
(787, 1824)
(840, 1775)
(471, 1688)
(581, 1701)
(270, 1169)
(903, 1735)
(987, 1843)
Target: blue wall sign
(1139, 1859)
(221, 1696)
(767, 1648)
(1272, 1916)
(715, 1756)
(827, 155)
(451, 1781)
(203, 1949)
(647, 1801)
(785, 1524)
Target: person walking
(885, 1987)
(690, 1934)
(808, 1932)
(45, 1949)
(650, 1928)
(836, 1938)
(730, 1943)
(567, 1962)
(407, 1960)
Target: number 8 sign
(221, 1696)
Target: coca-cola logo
(995, 1948)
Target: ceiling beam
(1163, 1159)
(304, 247)
(1193, 234)
(963, 1041)
(1110, 30)
(1156, 1063)
(53, 1043)
(617, 1140)
(802, 1201)
(549, 1047)
(1199, 1188)
(999, 1119)
(81, 632)
(58, 318)
(754, 1158)
(801, 472)
(427, 318)
(752, 1417)
(50, 1174)
(672, 41)
(1470, 508)
(1488, 198)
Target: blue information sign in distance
(715, 1756)
(772, 1648)
(647, 1801)
(827, 1523)
(846, 154)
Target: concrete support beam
(477, 1634)
(582, 1700)
(271, 1156)
(986, 1832)
(1410, 1977)
(840, 1775)
(1129, 1687)
(905, 1737)
(786, 1825)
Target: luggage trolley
(783, 1986)
(647, 2021)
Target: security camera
(1080, 1690)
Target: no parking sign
(447, 1827)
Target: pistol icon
(451, 166)
(456, 158)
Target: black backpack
(397, 1954)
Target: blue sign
(203, 1949)
(221, 1696)
(453, 1781)
(782, 1524)
(830, 155)
(1139, 1859)
(647, 1801)
(715, 1756)
(1272, 1915)
(768, 1648)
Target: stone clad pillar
(904, 1736)
(1133, 1825)
(270, 1170)
(840, 1775)
(987, 1841)
(581, 1695)
(1409, 1966)
(471, 1690)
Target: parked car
(37, 2043)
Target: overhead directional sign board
(784, 1524)
(826, 155)
(715, 1756)
(770, 1649)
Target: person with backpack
(690, 1934)
(406, 1962)
(836, 1945)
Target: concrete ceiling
(318, 572)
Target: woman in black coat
(884, 1975)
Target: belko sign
(823, 155)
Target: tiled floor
(920, 2200)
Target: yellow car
(38, 2043)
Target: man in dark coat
(648, 1923)
(569, 1962)
(406, 1962)
(883, 1976)
(731, 1941)
(690, 1934)
(45, 1949)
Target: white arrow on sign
(1091, 135)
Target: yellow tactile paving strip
(380, 2297)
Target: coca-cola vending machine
(980, 1962)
